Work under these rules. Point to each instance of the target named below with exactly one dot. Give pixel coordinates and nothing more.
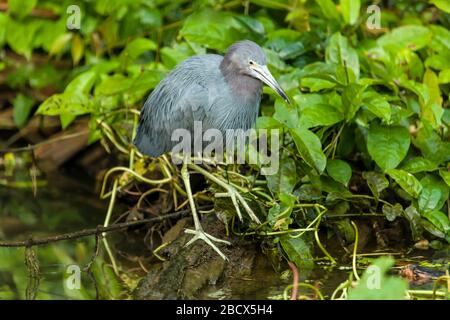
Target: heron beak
(262, 73)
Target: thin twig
(89, 232)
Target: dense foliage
(368, 130)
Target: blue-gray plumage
(221, 92)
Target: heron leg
(235, 196)
(198, 233)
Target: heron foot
(199, 234)
(237, 198)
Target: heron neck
(243, 86)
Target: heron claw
(202, 235)
(237, 198)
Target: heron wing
(179, 100)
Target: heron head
(248, 58)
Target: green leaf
(440, 40)
(310, 148)
(22, 109)
(20, 36)
(66, 119)
(21, 8)
(406, 181)
(340, 52)
(328, 8)
(375, 284)
(376, 181)
(136, 48)
(413, 37)
(431, 145)
(339, 170)
(414, 219)
(60, 42)
(350, 10)
(387, 145)
(298, 252)
(444, 5)
(378, 105)
(445, 175)
(82, 84)
(439, 220)
(419, 164)
(268, 123)
(433, 195)
(212, 29)
(392, 212)
(352, 99)
(286, 114)
(444, 76)
(319, 115)
(77, 49)
(285, 179)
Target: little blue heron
(223, 92)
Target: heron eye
(251, 62)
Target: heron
(223, 92)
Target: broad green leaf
(285, 179)
(82, 83)
(375, 284)
(22, 109)
(406, 181)
(307, 192)
(298, 252)
(268, 123)
(445, 175)
(58, 104)
(414, 219)
(66, 119)
(21, 8)
(440, 40)
(413, 37)
(444, 76)
(419, 164)
(20, 36)
(376, 181)
(136, 48)
(378, 105)
(328, 8)
(433, 195)
(319, 115)
(286, 114)
(440, 61)
(310, 148)
(431, 145)
(432, 110)
(316, 85)
(340, 52)
(213, 29)
(339, 170)
(352, 99)
(439, 220)
(60, 42)
(350, 10)
(387, 145)
(444, 5)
